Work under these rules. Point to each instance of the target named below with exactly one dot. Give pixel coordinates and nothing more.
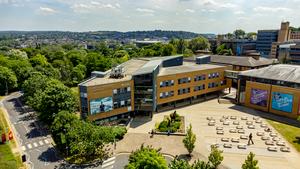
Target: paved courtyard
(240, 122)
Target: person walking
(250, 139)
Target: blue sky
(201, 16)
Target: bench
(219, 128)
(263, 126)
(225, 117)
(226, 123)
(233, 117)
(235, 140)
(285, 149)
(270, 143)
(236, 122)
(258, 121)
(227, 145)
(280, 143)
(222, 120)
(274, 149)
(216, 145)
(241, 131)
(251, 127)
(267, 130)
(225, 139)
(232, 131)
(220, 132)
(249, 122)
(209, 118)
(265, 138)
(211, 124)
(239, 127)
(242, 146)
(260, 133)
(273, 134)
(244, 118)
(275, 138)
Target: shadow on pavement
(49, 155)
(65, 165)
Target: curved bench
(225, 139)
(232, 131)
(226, 145)
(249, 122)
(239, 127)
(265, 138)
(272, 148)
(270, 143)
(220, 132)
(285, 149)
(260, 133)
(219, 128)
(241, 131)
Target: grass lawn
(288, 132)
(8, 160)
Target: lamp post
(6, 92)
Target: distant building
(265, 39)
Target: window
(183, 91)
(198, 88)
(213, 75)
(199, 77)
(184, 80)
(166, 94)
(121, 90)
(166, 83)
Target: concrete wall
(270, 89)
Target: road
(34, 141)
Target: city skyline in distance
(200, 16)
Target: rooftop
(281, 72)
(242, 60)
(186, 67)
(130, 67)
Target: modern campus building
(265, 39)
(274, 89)
(149, 85)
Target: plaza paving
(206, 135)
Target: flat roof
(280, 72)
(130, 67)
(186, 67)
(242, 60)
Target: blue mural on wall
(282, 102)
(101, 105)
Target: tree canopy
(250, 162)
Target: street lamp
(6, 92)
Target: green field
(8, 160)
(290, 133)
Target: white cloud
(47, 11)
(270, 9)
(145, 10)
(91, 6)
(190, 10)
(239, 12)
(215, 5)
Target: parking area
(228, 126)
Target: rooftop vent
(117, 72)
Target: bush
(163, 126)
(119, 132)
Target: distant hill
(102, 35)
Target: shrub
(119, 132)
(163, 126)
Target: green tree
(39, 60)
(199, 43)
(179, 164)
(201, 165)
(168, 50)
(54, 98)
(222, 50)
(250, 162)
(22, 69)
(35, 83)
(8, 80)
(146, 158)
(78, 74)
(251, 35)
(215, 158)
(239, 33)
(189, 140)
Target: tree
(239, 33)
(189, 140)
(215, 157)
(251, 35)
(222, 50)
(201, 165)
(199, 43)
(179, 164)
(35, 83)
(146, 158)
(54, 98)
(168, 50)
(8, 80)
(250, 162)
(22, 69)
(78, 74)
(39, 60)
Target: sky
(200, 16)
